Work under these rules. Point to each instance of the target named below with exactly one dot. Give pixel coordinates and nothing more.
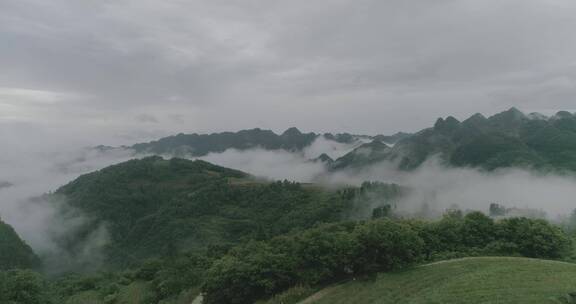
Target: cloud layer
(216, 65)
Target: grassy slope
(472, 280)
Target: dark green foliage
(325, 253)
(366, 154)
(392, 139)
(325, 159)
(23, 287)
(313, 257)
(203, 144)
(248, 273)
(319, 255)
(180, 274)
(534, 237)
(149, 269)
(478, 234)
(507, 139)
(497, 210)
(105, 286)
(183, 205)
(386, 245)
(381, 212)
(372, 199)
(331, 252)
(14, 253)
(478, 230)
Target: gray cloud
(441, 188)
(397, 64)
(146, 118)
(434, 185)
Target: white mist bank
(441, 187)
(35, 172)
(432, 184)
(280, 164)
(277, 165)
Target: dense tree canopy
(182, 205)
(335, 251)
(14, 252)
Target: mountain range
(507, 139)
(292, 140)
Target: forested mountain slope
(155, 207)
(14, 252)
(290, 140)
(507, 139)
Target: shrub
(386, 245)
(534, 237)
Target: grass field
(472, 280)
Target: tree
(23, 287)
(382, 212)
(249, 273)
(386, 245)
(14, 252)
(324, 254)
(478, 230)
(534, 237)
(497, 210)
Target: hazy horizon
(118, 72)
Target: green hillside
(202, 144)
(471, 280)
(290, 140)
(182, 205)
(366, 154)
(14, 253)
(507, 139)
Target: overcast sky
(121, 71)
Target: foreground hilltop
(504, 280)
(507, 139)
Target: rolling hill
(470, 280)
(182, 205)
